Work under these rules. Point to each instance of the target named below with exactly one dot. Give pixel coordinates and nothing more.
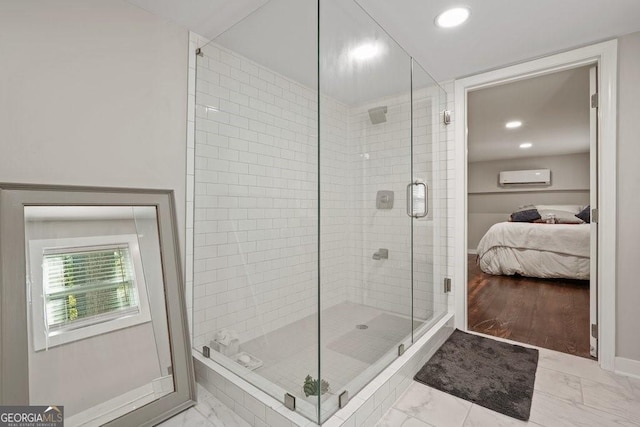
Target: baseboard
(472, 251)
(628, 367)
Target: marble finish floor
(569, 391)
(208, 412)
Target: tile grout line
(468, 412)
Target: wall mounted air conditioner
(536, 176)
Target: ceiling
(499, 32)
(265, 36)
(553, 109)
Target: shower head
(378, 114)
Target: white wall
(568, 172)
(490, 203)
(92, 92)
(628, 289)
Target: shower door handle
(422, 209)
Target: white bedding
(536, 250)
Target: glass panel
(304, 276)
(96, 310)
(365, 167)
(256, 206)
(429, 232)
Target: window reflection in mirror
(97, 320)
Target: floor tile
(621, 401)
(218, 414)
(393, 418)
(569, 392)
(414, 422)
(433, 406)
(559, 384)
(550, 411)
(635, 386)
(482, 417)
(577, 366)
(188, 418)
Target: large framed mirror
(92, 304)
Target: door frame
(605, 56)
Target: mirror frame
(14, 365)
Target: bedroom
(529, 256)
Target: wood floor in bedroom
(549, 313)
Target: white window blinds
(87, 285)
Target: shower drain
(361, 326)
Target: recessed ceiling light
(526, 145)
(514, 124)
(453, 17)
(365, 51)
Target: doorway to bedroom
(531, 179)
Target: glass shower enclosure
(320, 202)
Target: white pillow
(562, 216)
(573, 209)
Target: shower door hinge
(447, 285)
(446, 117)
(343, 399)
(594, 215)
(594, 331)
(594, 100)
(400, 350)
(290, 401)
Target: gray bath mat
(493, 374)
(382, 333)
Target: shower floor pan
(290, 353)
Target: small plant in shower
(311, 386)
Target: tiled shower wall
(384, 163)
(255, 207)
(256, 192)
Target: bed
(536, 250)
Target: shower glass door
(429, 172)
(379, 139)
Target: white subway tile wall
(383, 162)
(252, 200)
(256, 201)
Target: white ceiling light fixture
(513, 124)
(453, 17)
(365, 51)
(526, 145)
